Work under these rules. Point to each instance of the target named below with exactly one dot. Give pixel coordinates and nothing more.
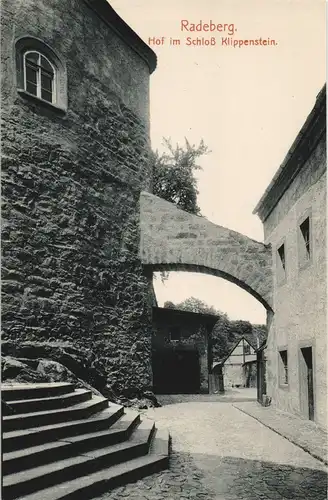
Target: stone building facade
(181, 352)
(75, 146)
(293, 212)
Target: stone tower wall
(70, 184)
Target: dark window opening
(305, 231)
(307, 382)
(283, 367)
(282, 256)
(175, 333)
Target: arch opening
(191, 268)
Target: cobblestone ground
(221, 453)
(183, 480)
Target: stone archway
(172, 239)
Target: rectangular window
(305, 240)
(281, 253)
(283, 367)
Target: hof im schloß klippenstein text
(210, 33)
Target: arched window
(39, 76)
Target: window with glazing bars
(39, 76)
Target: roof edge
(106, 12)
(223, 360)
(210, 317)
(311, 125)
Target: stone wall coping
(302, 147)
(106, 12)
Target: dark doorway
(306, 383)
(176, 371)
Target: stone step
(32, 480)
(160, 445)
(34, 456)
(146, 430)
(11, 392)
(50, 403)
(82, 410)
(16, 440)
(97, 483)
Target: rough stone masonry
(71, 183)
(172, 239)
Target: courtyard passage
(219, 452)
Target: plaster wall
(299, 298)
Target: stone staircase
(65, 443)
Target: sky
(247, 103)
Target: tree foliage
(193, 304)
(226, 332)
(174, 174)
(169, 305)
